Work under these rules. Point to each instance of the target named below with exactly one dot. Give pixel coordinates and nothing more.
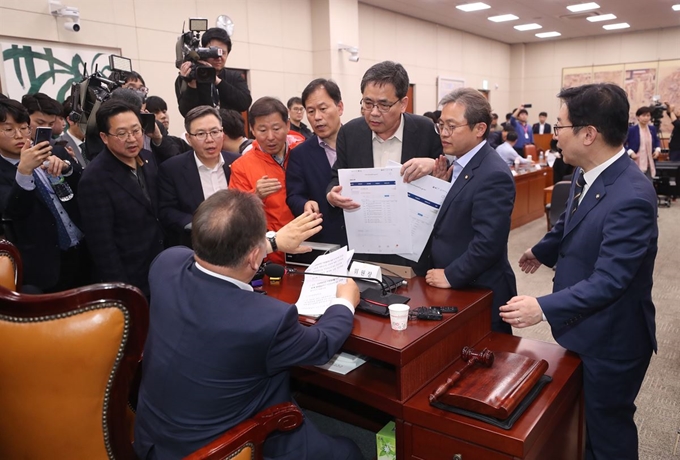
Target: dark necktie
(578, 189)
(63, 238)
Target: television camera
(188, 49)
(657, 111)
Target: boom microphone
(380, 297)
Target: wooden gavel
(485, 358)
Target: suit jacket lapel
(410, 140)
(120, 173)
(595, 193)
(462, 180)
(193, 181)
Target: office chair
(67, 361)
(530, 149)
(245, 440)
(558, 202)
(11, 269)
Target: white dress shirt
(390, 149)
(212, 180)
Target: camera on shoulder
(188, 49)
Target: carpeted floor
(658, 414)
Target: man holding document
(384, 133)
(469, 245)
(216, 352)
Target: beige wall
(278, 43)
(536, 69)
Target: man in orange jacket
(262, 170)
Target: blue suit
(307, 176)
(470, 235)
(601, 306)
(180, 191)
(633, 139)
(216, 355)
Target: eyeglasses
(203, 136)
(383, 107)
(445, 129)
(122, 136)
(25, 131)
(297, 109)
(556, 128)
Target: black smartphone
(148, 122)
(41, 135)
(527, 106)
(61, 143)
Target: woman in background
(642, 144)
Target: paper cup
(399, 316)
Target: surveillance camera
(354, 58)
(72, 26)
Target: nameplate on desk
(364, 270)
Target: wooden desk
(542, 141)
(404, 364)
(529, 204)
(406, 360)
(551, 428)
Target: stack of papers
(394, 217)
(342, 363)
(318, 292)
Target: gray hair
(477, 107)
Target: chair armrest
(281, 417)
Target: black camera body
(657, 111)
(188, 48)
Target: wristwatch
(271, 237)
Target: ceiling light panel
(467, 7)
(676, 7)
(532, 26)
(583, 7)
(503, 18)
(548, 34)
(601, 17)
(621, 25)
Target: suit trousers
(610, 388)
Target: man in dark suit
(384, 133)
(186, 180)
(74, 137)
(309, 164)
(604, 245)
(541, 127)
(118, 199)
(44, 226)
(217, 353)
(469, 245)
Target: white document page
(380, 225)
(318, 292)
(425, 198)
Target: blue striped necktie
(578, 189)
(63, 238)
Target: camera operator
(232, 90)
(674, 144)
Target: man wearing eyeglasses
(384, 133)
(469, 245)
(45, 227)
(296, 111)
(188, 179)
(604, 246)
(118, 199)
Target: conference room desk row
(529, 195)
(404, 367)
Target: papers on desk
(319, 291)
(381, 225)
(343, 363)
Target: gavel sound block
(491, 384)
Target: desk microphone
(379, 297)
